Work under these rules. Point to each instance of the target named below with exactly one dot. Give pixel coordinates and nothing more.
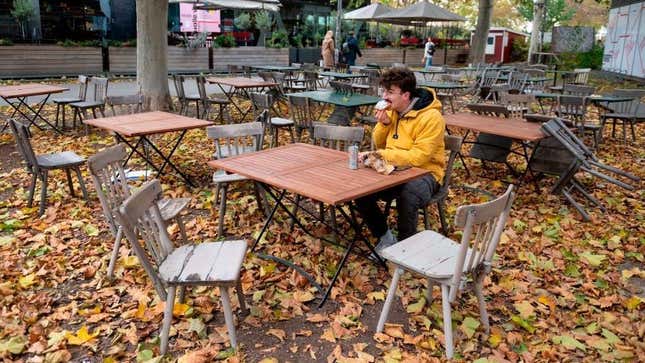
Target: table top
(240, 82)
(277, 68)
(592, 98)
(315, 172)
(339, 99)
(444, 85)
(29, 89)
(342, 75)
(147, 123)
(514, 128)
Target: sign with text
(193, 20)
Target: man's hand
(363, 155)
(382, 117)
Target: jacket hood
(426, 97)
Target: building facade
(625, 41)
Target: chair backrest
(572, 107)
(535, 72)
(139, 216)
(300, 111)
(261, 101)
(23, 143)
(236, 139)
(337, 137)
(234, 69)
(129, 104)
(488, 109)
(489, 78)
(266, 76)
(110, 182)
(517, 104)
(201, 88)
(482, 225)
(342, 87)
(100, 88)
(578, 90)
(517, 81)
(627, 107)
(341, 67)
(82, 87)
(581, 75)
(247, 71)
(311, 80)
(178, 81)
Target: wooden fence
(47, 60)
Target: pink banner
(198, 20)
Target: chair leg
(447, 320)
(167, 320)
(228, 315)
(57, 112)
(115, 252)
(296, 205)
(181, 294)
(240, 297)
(222, 209)
(69, 182)
(32, 189)
(431, 285)
(81, 182)
(426, 220)
(182, 228)
(293, 139)
(332, 215)
(43, 193)
(442, 218)
(387, 305)
(479, 292)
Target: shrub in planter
(224, 41)
(279, 39)
(5, 42)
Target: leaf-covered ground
(560, 290)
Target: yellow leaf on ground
(82, 336)
(180, 309)
(394, 330)
(328, 335)
(130, 261)
(278, 333)
(27, 280)
(303, 296)
(633, 302)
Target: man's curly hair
(401, 77)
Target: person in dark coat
(352, 50)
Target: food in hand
(382, 105)
(376, 162)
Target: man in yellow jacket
(409, 132)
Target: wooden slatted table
(315, 172)
(142, 125)
(242, 84)
(16, 97)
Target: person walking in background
(428, 53)
(351, 49)
(328, 50)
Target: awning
(419, 14)
(368, 12)
(270, 5)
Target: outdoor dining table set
(16, 96)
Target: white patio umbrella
(270, 5)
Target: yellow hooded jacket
(419, 136)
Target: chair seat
(87, 104)
(618, 115)
(67, 100)
(428, 253)
(193, 97)
(59, 160)
(361, 86)
(537, 117)
(281, 122)
(204, 263)
(170, 207)
(218, 99)
(221, 176)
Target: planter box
(124, 60)
(49, 60)
(412, 57)
(248, 56)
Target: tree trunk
(152, 50)
(538, 8)
(478, 46)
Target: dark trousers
(409, 197)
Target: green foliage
(591, 59)
(557, 11)
(82, 43)
(5, 42)
(243, 21)
(279, 39)
(263, 20)
(519, 50)
(22, 10)
(224, 41)
(296, 41)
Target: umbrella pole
(445, 46)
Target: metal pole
(339, 17)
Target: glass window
(491, 40)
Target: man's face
(398, 101)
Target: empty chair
(232, 140)
(40, 165)
(64, 101)
(578, 90)
(517, 104)
(623, 113)
(120, 105)
(207, 101)
(515, 84)
(111, 184)
(264, 101)
(486, 81)
(580, 76)
(451, 264)
(183, 98)
(204, 264)
(302, 115)
(99, 89)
